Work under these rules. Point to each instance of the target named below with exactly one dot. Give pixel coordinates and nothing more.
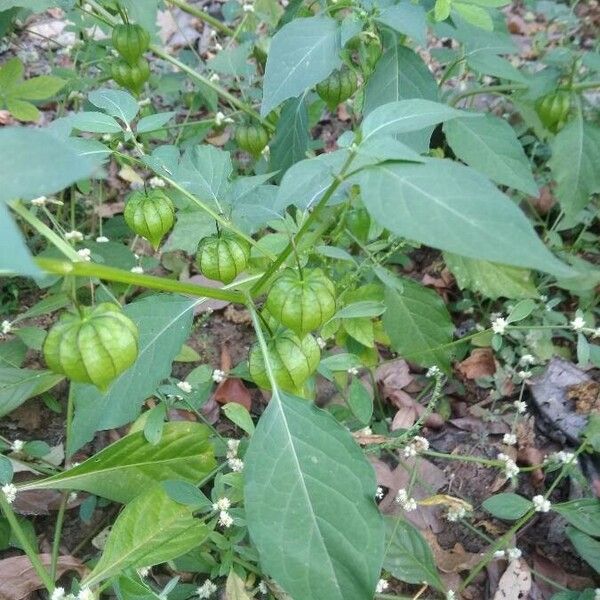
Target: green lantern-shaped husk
(92, 347)
(131, 77)
(252, 138)
(338, 87)
(302, 301)
(553, 109)
(293, 361)
(150, 214)
(130, 41)
(223, 256)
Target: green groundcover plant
(449, 156)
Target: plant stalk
(203, 16)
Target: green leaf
(154, 122)
(22, 110)
(490, 145)
(489, 63)
(364, 308)
(116, 103)
(508, 506)
(475, 15)
(321, 506)
(360, 401)
(233, 61)
(15, 257)
(164, 323)
(150, 530)
(441, 10)
(12, 353)
(341, 362)
(521, 311)
(190, 227)
(11, 72)
(133, 588)
(491, 279)
(186, 493)
(403, 116)
(418, 324)
(583, 514)
(123, 469)
(452, 207)
(302, 53)
(407, 555)
(587, 547)
(95, 122)
(6, 471)
(38, 88)
(407, 18)
(155, 423)
(18, 385)
(361, 329)
(35, 163)
(592, 431)
(235, 589)
(291, 139)
(574, 164)
(239, 415)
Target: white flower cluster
(510, 467)
(102, 239)
(5, 327)
(408, 504)
(262, 588)
(84, 594)
(322, 343)
(524, 375)
(352, 371)
(235, 464)
(521, 406)
(17, 445)
(540, 504)
(185, 387)
(379, 493)
(577, 324)
(207, 589)
(499, 325)
(509, 553)
(157, 182)
(137, 269)
(218, 376)
(561, 457)
(74, 236)
(10, 492)
(417, 445)
(433, 372)
(382, 585)
(85, 254)
(455, 513)
(510, 439)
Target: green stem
(305, 227)
(88, 269)
(203, 16)
(585, 85)
(490, 89)
(60, 519)
(31, 552)
(474, 459)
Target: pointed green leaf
(18, 385)
(507, 506)
(38, 88)
(587, 547)
(22, 110)
(15, 257)
(11, 72)
(116, 103)
(95, 122)
(290, 142)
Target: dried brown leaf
(515, 583)
(233, 390)
(480, 363)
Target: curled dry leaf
(233, 390)
(454, 560)
(18, 578)
(480, 363)
(515, 583)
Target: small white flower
(58, 594)
(577, 324)
(247, 7)
(86, 594)
(74, 236)
(143, 572)
(41, 201)
(540, 504)
(225, 519)
(562, 457)
(236, 464)
(137, 269)
(218, 47)
(10, 492)
(364, 431)
(322, 343)
(510, 439)
(408, 504)
(352, 371)
(499, 325)
(214, 78)
(382, 585)
(597, 594)
(219, 119)
(455, 513)
(262, 588)
(433, 372)
(526, 360)
(5, 327)
(524, 375)
(510, 467)
(513, 553)
(17, 445)
(102, 239)
(206, 590)
(157, 182)
(521, 406)
(144, 102)
(499, 554)
(72, 497)
(379, 493)
(185, 386)
(232, 448)
(450, 595)
(85, 254)
(266, 151)
(417, 445)
(223, 503)
(218, 376)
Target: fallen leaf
(480, 363)
(454, 560)
(515, 583)
(130, 175)
(404, 418)
(393, 375)
(18, 578)
(233, 390)
(219, 139)
(39, 502)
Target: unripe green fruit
(370, 52)
(358, 223)
(553, 109)
(338, 87)
(302, 302)
(131, 77)
(130, 41)
(150, 214)
(93, 347)
(251, 138)
(293, 361)
(223, 257)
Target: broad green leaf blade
(407, 18)
(363, 308)
(452, 207)
(164, 323)
(475, 15)
(507, 506)
(11, 72)
(133, 588)
(123, 469)
(38, 88)
(574, 164)
(490, 145)
(407, 555)
(15, 257)
(583, 514)
(489, 63)
(235, 589)
(153, 122)
(34, 163)
(320, 506)
(95, 122)
(150, 530)
(190, 227)
(403, 116)
(22, 109)
(290, 142)
(491, 279)
(116, 103)
(18, 385)
(418, 324)
(302, 53)
(587, 547)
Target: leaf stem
(490, 89)
(60, 519)
(203, 16)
